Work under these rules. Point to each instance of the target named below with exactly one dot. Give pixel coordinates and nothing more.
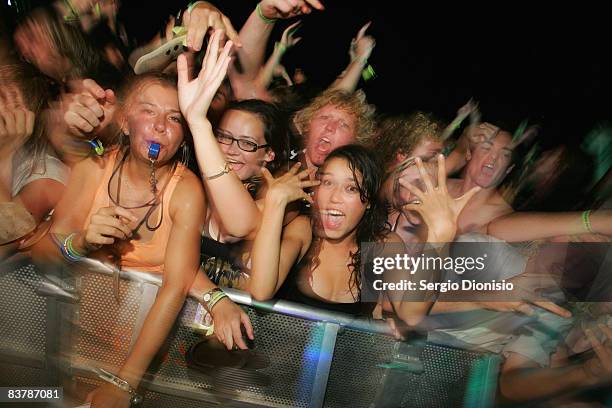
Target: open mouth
(234, 164)
(323, 145)
(332, 218)
(488, 169)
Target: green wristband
(264, 18)
(586, 221)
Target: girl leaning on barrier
(138, 203)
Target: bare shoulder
(300, 225)
(501, 206)
(299, 230)
(93, 165)
(188, 195)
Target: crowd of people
(214, 167)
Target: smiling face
(330, 128)
(153, 116)
(338, 200)
(490, 161)
(244, 126)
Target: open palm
(196, 95)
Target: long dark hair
(274, 124)
(373, 225)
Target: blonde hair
(402, 134)
(354, 103)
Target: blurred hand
(90, 110)
(283, 9)
(362, 45)
(203, 17)
(287, 40)
(16, 126)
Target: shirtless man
(488, 163)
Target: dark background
(516, 62)
(550, 67)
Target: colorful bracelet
(69, 252)
(586, 221)
(212, 297)
(264, 18)
(66, 248)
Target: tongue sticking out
(154, 151)
(331, 221)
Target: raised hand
(16, 126)
(90, 110)
(203, 17)
(469, 109)
(438, 209)
(287, 40)
(283, 9)
(362, 45)
(290, 186)
(195, 95)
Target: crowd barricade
(56, 328)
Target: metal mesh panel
(157, 400)
(105, 324)
(357, 380)
(443, 383)
(22, 313)
(291, 344)
(20, 376)
(355, 374)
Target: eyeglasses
(243, 144)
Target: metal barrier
(313, 358)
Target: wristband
(212, 297)
(262, 17)
(281, 48)
(586, 221)
(368, 72)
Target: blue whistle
(154, 151)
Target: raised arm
(231, 201)
(287, 41)
(275, 250)
(360, 50)
(255, 35)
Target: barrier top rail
(243, 298)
